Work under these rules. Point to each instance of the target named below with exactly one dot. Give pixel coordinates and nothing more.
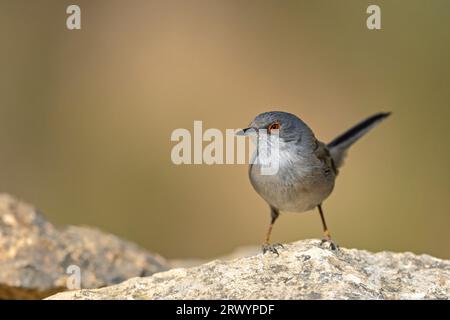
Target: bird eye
(274, 126)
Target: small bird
(307, 168)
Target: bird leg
(326, 232)
(267, 247)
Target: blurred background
(86, 116)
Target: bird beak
(246, 132)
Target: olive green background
(86, 116)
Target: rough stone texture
(241, 252)
(34, 255)
(303, 270)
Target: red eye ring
(274, 126)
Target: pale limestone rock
(303, 270)
(34, 255)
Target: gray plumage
(307, 167)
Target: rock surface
(34, 255)
(240, 252)
(303, 270)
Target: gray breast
(301, 183)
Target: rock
(303, 270)
(34, 255)
(241, 252)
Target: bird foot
(267, 247)
(330, 244)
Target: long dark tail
(340, 145)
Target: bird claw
(329, 243)
(272, 248)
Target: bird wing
(323, 154)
